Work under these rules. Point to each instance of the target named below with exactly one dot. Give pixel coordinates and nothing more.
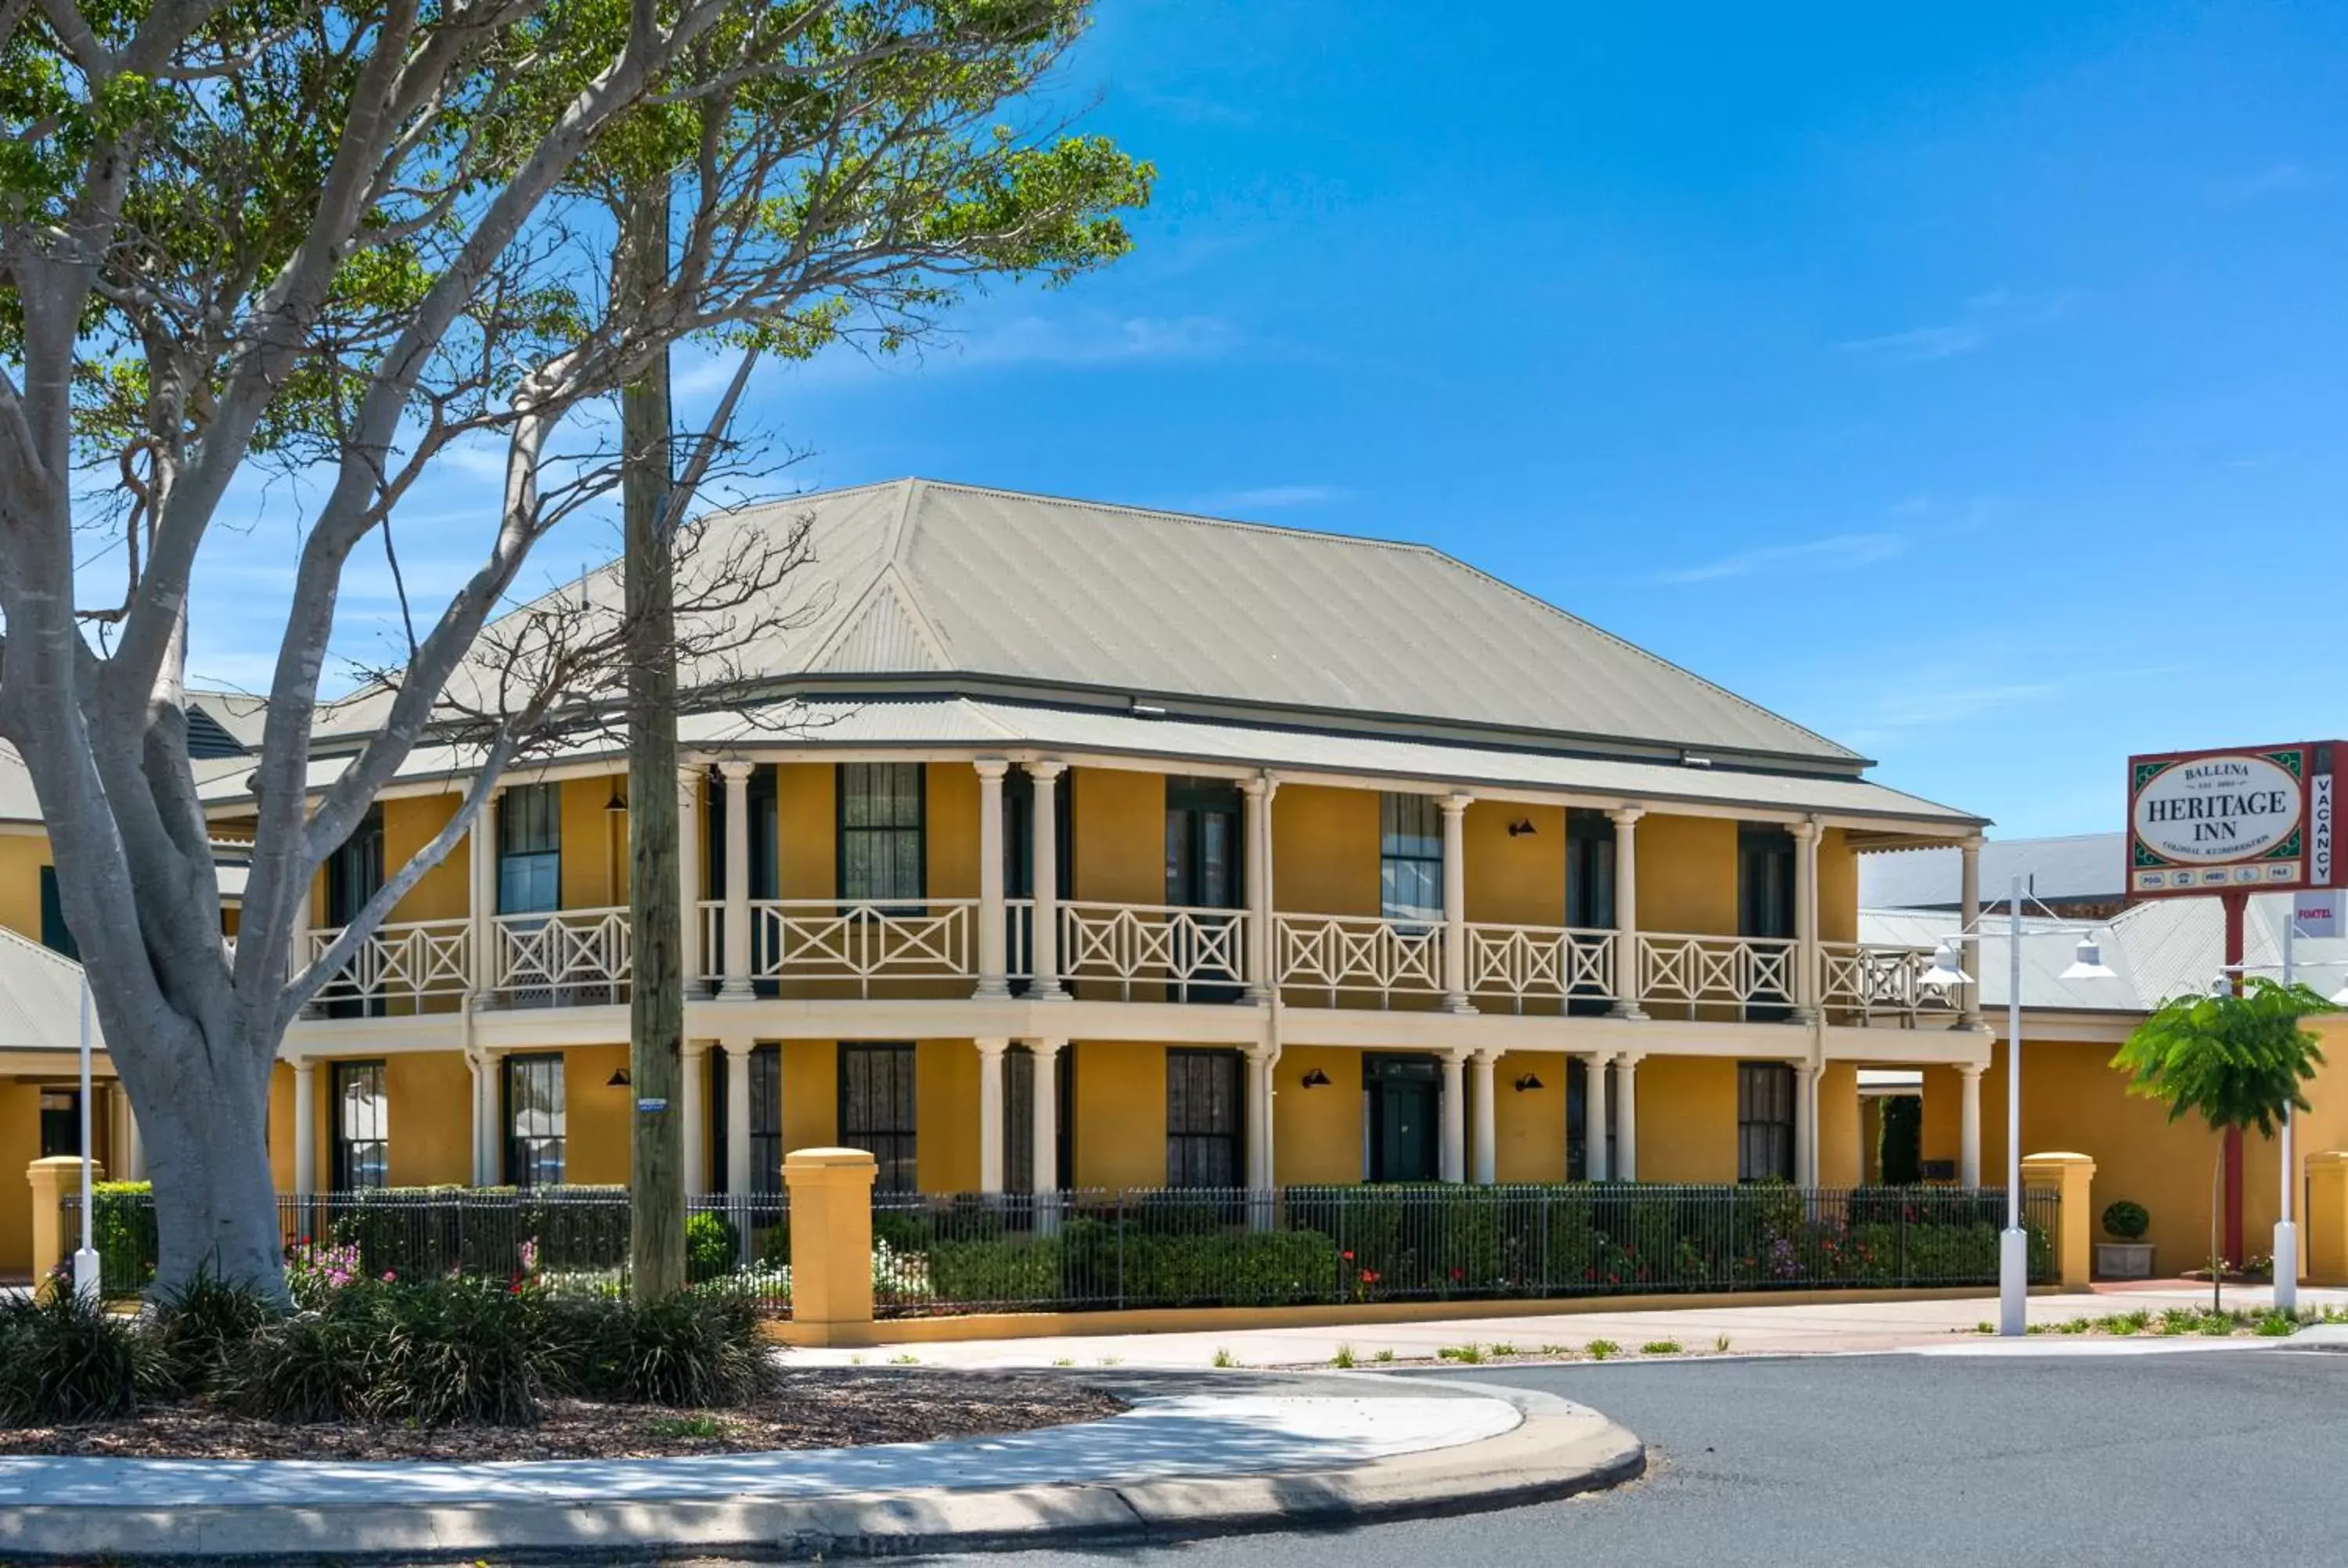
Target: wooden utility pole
(655, 916)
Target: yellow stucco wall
(1687, 875)
(1529, 1124)
(1324, 859)
(807, 824)
(945, 1098)
(442, 894)
(594, 844)
(431, 1095)
(952, 801)
(22, 856)
(811, 1094)
(1121, 1123)
(20, 1145)
(1839, 1151)
(280, 1126)
(1687, 1119)
(1838, 887)
(1118, 836)
(1517, 880)
(597, 1117)
(1316, 1134)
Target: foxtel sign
(2258, 818)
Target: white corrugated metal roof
(916, 578)
(2082, 865)
(40, 997)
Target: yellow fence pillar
(2324, 1233)
(831, 1242)
(2073, 1177)
(51, 1179)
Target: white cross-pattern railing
(1551, 963)
(1155, 943)
(862, 940)
(563, 958)
(1866, 984)
(1676, 970)
(403, 961)
(1357, 955)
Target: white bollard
(2286, 1266)
(2013, 1280)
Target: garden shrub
(122, 1234)
(200, 1327)
(432, 1353)
(63, 1359)
(2126, 1221)
(693, 1350)
(710, 1244)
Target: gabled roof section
(40, 997)
(884, 633)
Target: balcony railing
(563, 958)
(1678, 970)
(405, 962)
(1864, 985)
(1357, 955)
(1195, 954)
(1517, 964)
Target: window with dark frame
(1576, 1122)
(529, 849)
(877, 1112)
(1019, 1120)
(1206, 1119)
(1589, 893)
(766, 1118)
(1765, 1121)
(55, 935)
(536, 1122)
(1410, 858)
(361, 1152)
(60, 1123)
(1765, 906)
(884, 853)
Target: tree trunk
(656, 915)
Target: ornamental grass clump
(690, 1350)
(66, 1358)
(201, 1328)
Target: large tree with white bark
(336, 237)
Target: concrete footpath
(1193, 1456)
(1811, 1329)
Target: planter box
(2123, 1260)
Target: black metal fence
(566, 1240)
(1092, 1250)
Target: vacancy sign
(2257, 819)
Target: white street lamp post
(2286, 1232)
(85, 1258)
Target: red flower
(1369, 1276)
(1346, 1255)
(1458, 1274)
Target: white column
(737, 1113)
(993, 981)
(1454, 904)
(1969, 1167)
(1969, 919)
(1046, 1114)
(1594, 1124)
(692, 1105)
(990, 1113)
(688, 880)
(1487, 1146)
(737, 888)
(1806, 1125)
(481, 925)
(305, 1127)
(1453, 1165)
(1807, 951)
(1626, 1117)
(1044, 945)
(1260, 1166)
(1259, 792)
(1626, 914)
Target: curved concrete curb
(1556, 1450)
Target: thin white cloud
(2275, 180)
(1919, 343)
(1841, 552)
(1271, 498)
(1097, 341)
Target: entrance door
(1202, 873)
(1765, 907)
(1402, 1125)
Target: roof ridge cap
(1175, 515)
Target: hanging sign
(2255, 819)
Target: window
(1205, 1122)
(766, 1119)
(1589, 871)
(1576, 1122)
(876, 1112)
(362, 1126)
(529, 849)
(1765, 907)
(55, 936)
(60, 1123)
(1410, 858)
(535, 1121)
(882, 851)
(1765, 1121)
(354, 874)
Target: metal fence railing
(567, 1240)
(1092, 1250)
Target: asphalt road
(2195, 1459)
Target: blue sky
(1965, 382)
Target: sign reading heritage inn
(2259, 817)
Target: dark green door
(1405, 1096)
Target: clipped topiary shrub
(2126, 1221)
(710, 1244)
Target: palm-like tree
(2238, 1060)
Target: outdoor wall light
(1522, 828)
(1529, 1081)
(619, 1079)
(618, 804)
(1316, 1079)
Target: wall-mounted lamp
(1316, 1079)
(619, 1079)
(618, 804)
(1529, 1080)
(1522, 828)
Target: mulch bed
(809, 1408)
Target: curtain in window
(1205, 1120)
(876, 1112)
(766, 1118)
(1410, 858)
(881, 853)
(536, 1122)
(1765, 1121)
(361, 1152)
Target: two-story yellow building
(1081, 846)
